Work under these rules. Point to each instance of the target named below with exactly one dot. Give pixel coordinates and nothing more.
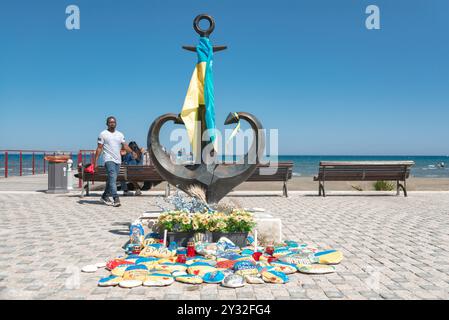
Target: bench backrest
(281, 171)
(364, 170)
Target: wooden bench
(146, 174)
(281, 172)
(397, 171)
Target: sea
(304, 165)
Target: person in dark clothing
(133, 158)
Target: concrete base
(268, 228)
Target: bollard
(80, 165)
(6, 164)
(69, 175)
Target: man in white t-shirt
(110, 142)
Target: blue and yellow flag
(200, 92)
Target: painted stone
(213, 277)
(167, 260)
(284, 267)
(89, 268)
(132, 258)
(200, 269)
(206, 248)
(130, 283)
(158, 252)
(279, 252)
(225, 264)
(298, 259)
(158, 280)
(228, 256)
(191, 279)
(111, 264)
(317, 269)
(136, 272)
(224, 244)
(171, 267)
(109, 281)
(149, 262)
(245, 267)
(233, 281)
(178, 273)
(119, 270)
(274, 277)
(253, 279)
(329, 257)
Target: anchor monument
(217, 179)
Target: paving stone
(377, 235)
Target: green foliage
(383, 186)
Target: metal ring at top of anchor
(196, 26)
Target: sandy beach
(307, 184)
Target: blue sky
(309, 68)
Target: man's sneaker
(127, 193)
(106, 201)
(116, 202)
(138, 193)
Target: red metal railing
(35, 168)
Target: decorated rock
(245, 267)
(151, 238)
(158, 252)
(119, 270)
(195, 259)
(213, 277)
(132, 258)
(109, 281)
(149, 262)
(164, 272)
(228, 256)
(279, 252)
(111, 264)
(130, 283)
(225, 264)
(136, 233)
(284, 267)
(89, 268)
(298, 259)
(317, 269)
(247, 258)
(329, 257)
(224, 244)
(291, 244)
(171, 267)
(158, 280)
(178, 273)
(206, 248)
(254, 279)
(135, 272)
(200, 268)
(274, 277)
(233, 281)
(191, 279)
(247, 252)
(167, 260)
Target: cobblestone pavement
(394, 247)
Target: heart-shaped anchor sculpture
(217, 179)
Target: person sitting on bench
(134, 158)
